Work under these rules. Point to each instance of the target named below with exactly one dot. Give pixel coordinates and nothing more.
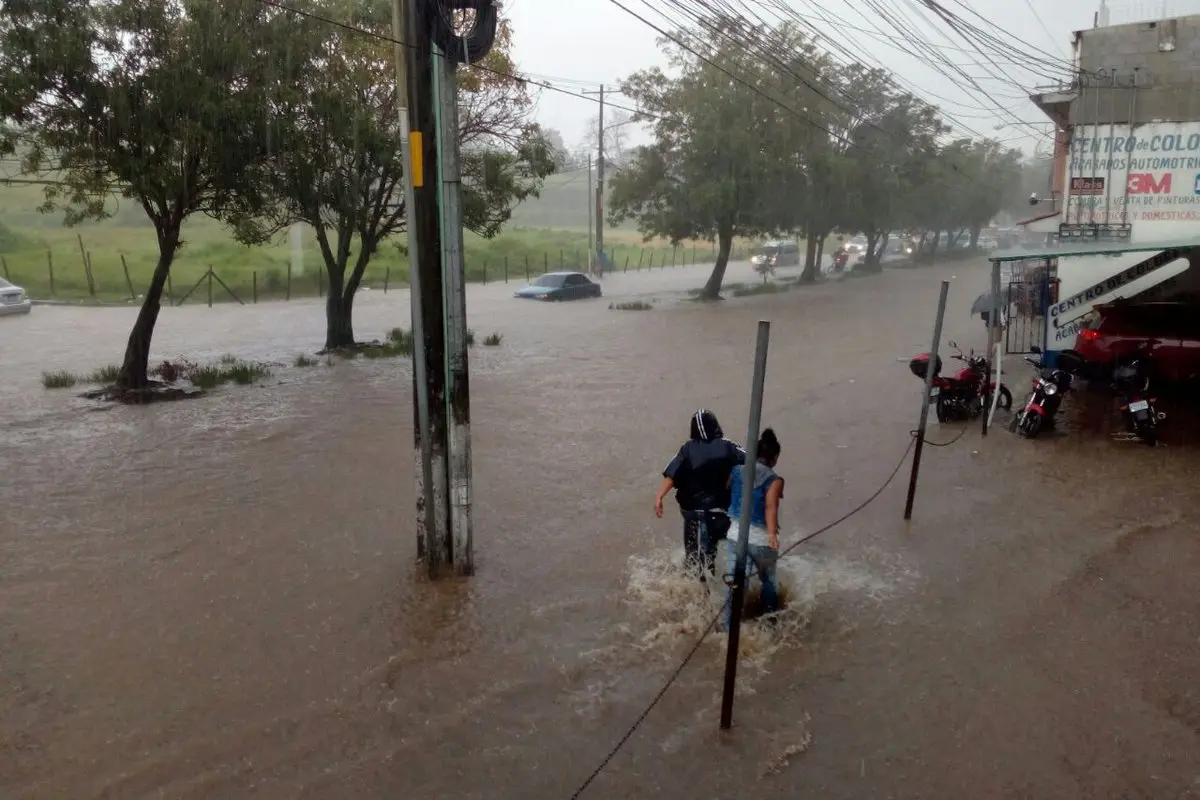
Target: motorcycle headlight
(1050, 389)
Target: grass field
(36, 246)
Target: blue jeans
(760, 559)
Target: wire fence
(86, 277)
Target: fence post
(626, 263)
(254, 286)
(83, 257)
(546, 261)
(50, 269)
(485, 263)
(527, 266)
(7, 274)
(387, 278)
(210, 277)
(562, 263)
(641, 255)
(288, 295)
(128, 280)
(651, 260)
(506, 269)
(674, 250)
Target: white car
(13, 300)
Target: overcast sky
(578, 44)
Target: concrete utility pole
(591, 252)
(597, 197)
(425, 280)
(600, 185)
(454, 306)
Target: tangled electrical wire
(695, 648)
(471, 46)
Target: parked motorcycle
(964, 396)
(1046, 396)
(1131, 380)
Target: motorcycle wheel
(1031, 425)
(943, 413)
(1006, 399)
(1015, 422)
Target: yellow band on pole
(417, 156)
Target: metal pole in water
(738, 595)
(933, 357)
(458, 395)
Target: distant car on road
(560, 286)
(13, 300)
(777, 254)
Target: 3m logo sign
(1146, 183)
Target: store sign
(1071, 309)
(1147, 183)
(1087, 186)
(1150, 173)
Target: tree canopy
(250, 114)
(796, 145)
(336, 160)
(160, 103)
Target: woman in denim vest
(762, 549)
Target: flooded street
(218, 598)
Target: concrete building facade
(1127, 156)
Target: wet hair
(768, 445)
(704, 426)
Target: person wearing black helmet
(700, 475)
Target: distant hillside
(563, 204)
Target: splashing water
(676, 606)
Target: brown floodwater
(218, 597)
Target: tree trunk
(872, 241)
(136, 366)
(820, 253)
(975, 237)
(809, 275)
(712, 289)
(339, 310)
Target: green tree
(721, 159)
(337, 162)
(887, 159)
(160, 103)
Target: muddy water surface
(217, 598)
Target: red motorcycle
(840, 259)
(965, 396)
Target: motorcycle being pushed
(968, 393)
(1131, 380)
(1046, 395)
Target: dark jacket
(701, 468)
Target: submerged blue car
(560, 286)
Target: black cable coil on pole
(472, 47)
